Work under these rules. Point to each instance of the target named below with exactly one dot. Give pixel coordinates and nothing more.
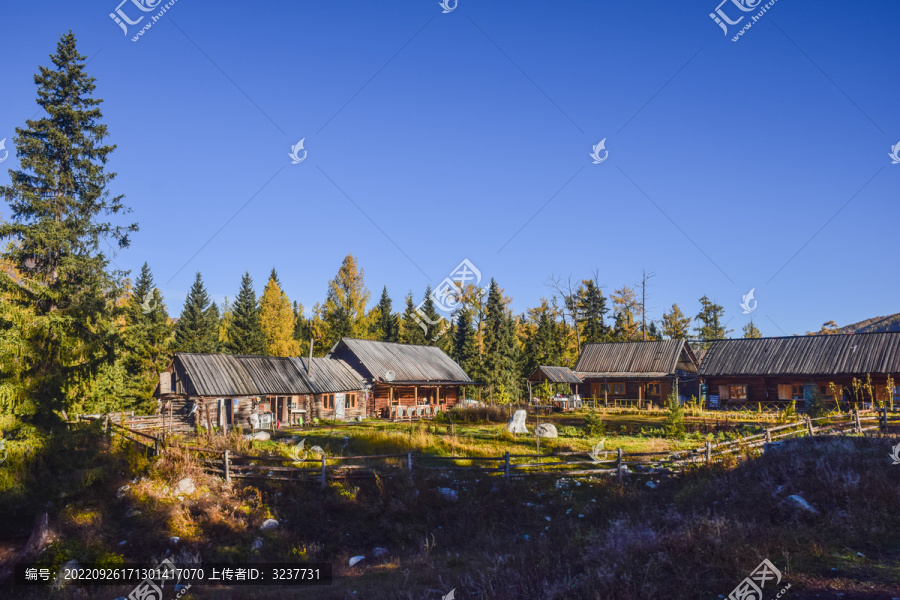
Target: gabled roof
(239, 375)
(635, 359)
(408, 363)
(838, 354)
(554, 375)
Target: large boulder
(259, 436)
(269, 524)
(546, 430)
(517, 422)
(185, 487)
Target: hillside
(873, 325)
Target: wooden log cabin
(637, 373)
(785, 369)
(223, 390)
(404, 377)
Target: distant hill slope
(875, 324)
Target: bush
(593, 424)
(675, 419)
(815, 407)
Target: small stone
(797, 502)
(257, 545)
(269, 524)
(174, 540)
(449, 494)
(185, 487)
(123, 542)
(860, 554)
(547, 518)
(651, 485)
(120, 493)
(132, 513)
(379, 552)
(355, 560)
(546, 430)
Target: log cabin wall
(354, 405)
(775, 388)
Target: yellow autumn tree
(344, 311)
(276, 319)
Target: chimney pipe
(309, 362)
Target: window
(797, 391)
(737, 392)
(328, 401)
(617, 389)
(351, 400)
(653, 389)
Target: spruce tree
(465, 350)
(434, 323)
(198, 326)
(498, 368)
(344, 311)
(593, 310)
(675, 326)
(411, 332)
(146, 340)
(388, 324)
(710, 319)
(245, 335)
(58, 200)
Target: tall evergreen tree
(302, 329)
(751, 330)
(58, 200)
(388, 326)
(710, 319)
(593, 310)
(146, 340)
(435, 325)
(542, 346)
(277, 320)
(198, 325)
(498, 368)
(411, 332)
(245, 335)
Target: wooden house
(403, 377)
(637, 372)
(223, 390)
(560, 375)
(785, 369)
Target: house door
(339, 406)
(809, 390)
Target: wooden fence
(322, 468)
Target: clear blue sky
(451, 131)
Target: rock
(268, 524)
(795, 501)
(132, 513)
(257, 545)
(259, 436)
(449, 494)
(517, 422)
(120, 493)
(651, 485)
(185, 487)
(60, 580)
(123, 542)
(174, 540)
(355, 560)
(546, 430)
(379, 552)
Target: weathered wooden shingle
(408, 363)
(635, 359)
(842, 354)
(554, 375)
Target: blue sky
(435, 137)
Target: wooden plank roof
(839, 354)
(554, 375)
(408, 362)
(658, 358)
(238, 375)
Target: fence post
(506, 466)
(884, 419)
(155, 445)
(768, 435)
(708, 452)
(323, 471)
(226, 466)
(858, 422)
(108, 427)
(619, 464)
(809, 426)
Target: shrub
(675, 418)
(815, 407)
(593, 424)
